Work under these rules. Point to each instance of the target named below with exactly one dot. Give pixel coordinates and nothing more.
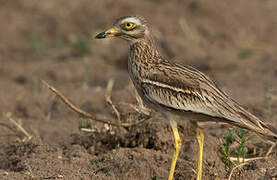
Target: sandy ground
(234, 42)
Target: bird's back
(169, 86)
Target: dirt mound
(233, 42)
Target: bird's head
(130, 28)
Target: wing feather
(185, 88)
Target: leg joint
(178, 143)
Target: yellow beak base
(109, 33)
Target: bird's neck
(144, 51)
(143, 57)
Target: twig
(8, 115)
(75, 108)
(7, 126)
(11, 129)
(141, 110)
(211, 123)
(87, 130)
(247, 161)
(273, 145)
(109, 100)
(84, 113)
(240, 165)
(193, 170)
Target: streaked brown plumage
(171, 88)
(183, 88)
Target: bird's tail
(270, 132)
(257, 125)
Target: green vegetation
(114, 152)
(109, 156)
(262, 64)
(97, 161)
(60, 41)
(226, 149)
(84, 123)
(34, 41)
(241, 150)
(231, 67)
(245, 53)
(80, 46)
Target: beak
(109, 33)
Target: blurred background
(234, 42)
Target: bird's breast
(134, 70)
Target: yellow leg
(177, 148)
(200, 139)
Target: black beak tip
(100, 35)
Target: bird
(176, 90)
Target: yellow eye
(129, 25)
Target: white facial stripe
(133, 20)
